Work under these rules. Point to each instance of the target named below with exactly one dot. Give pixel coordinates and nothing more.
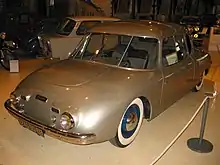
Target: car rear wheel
(5, 60)
(200, 84)
(130, 124)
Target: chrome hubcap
(130, 121)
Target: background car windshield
(66, 27)
(190, 20)
(121, 50)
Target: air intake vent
(55, 110)
(41, 98)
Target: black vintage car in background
(194, 26)
(23, 28)
(45, 26)
(199, 26)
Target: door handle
(166, 77)
(169, 75)
(188, 65)
(202, 58)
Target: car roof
(191, 17)
(93, 18)
(143, 28)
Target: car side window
(143, 53)
(169, 52)
(85, 26)
(189, 44)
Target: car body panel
(96, 94)
(84, 102)
(181, 74)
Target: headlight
(196, 36)
(196, 29)
(14, 99)
(66, 121)
(16, 102)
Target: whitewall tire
(130, 123)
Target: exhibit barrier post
(200, 144)
(196, 144)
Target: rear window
(66, 27)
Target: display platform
(19, 146)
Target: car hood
(79, 87)
(70, 73)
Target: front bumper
(74, 138)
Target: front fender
(101, 120)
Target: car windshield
(190, 20)
(66, 27)
(119, 50)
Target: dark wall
(42, 10)
(10, 3)
(61, 7)
(2, 5)
(217, 2)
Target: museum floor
(19, 146)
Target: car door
(177, 69)
(198, 57)
(185, 56)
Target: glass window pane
(85, 26)
(66, 27)
(126, 51)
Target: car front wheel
(130, 124)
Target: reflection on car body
(121, 73)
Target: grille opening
(55, 110)
(41, 98)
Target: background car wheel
(200, 84)
(130, 124)
(4, 60)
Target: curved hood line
(69, 73)
(82, 83)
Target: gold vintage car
(68, 34)
(122, 73)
